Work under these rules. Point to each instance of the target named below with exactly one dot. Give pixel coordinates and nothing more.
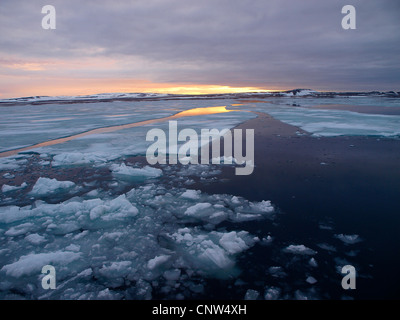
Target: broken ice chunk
(46, 186)
(251, 295)
(299, 249)
(6, 188)
(124, 172)
(33, 263)
(348, 239)
(157, 261)
(191, 194)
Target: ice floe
(134, 238)
(47, 187)
(125, 172)
(348, 239)
(8, 188)
(299, 249)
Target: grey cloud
(246, 43)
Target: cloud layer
(273, 44)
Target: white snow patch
(35, 238)
(124, 172)
(172, 275)
(299, 249)
(233, 243)
(263, 206)
(46, 186)
(6, 188)
(251, 295)
(272, 293)
(197, 208)
(157, 261)
(32, 263)
(313, 263)
(191, 194)
(311, 280)
(348, 239)
(19, 230)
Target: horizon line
(172, 93)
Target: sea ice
(7, 188)
(191, 194)
(299, 249)
(272, 293)
(311, 280)
(124, 172)
(33, 263)
(157, 261)
(233, 242)
(348, 239)
(251, 295)
(46, 186)
(35, 239)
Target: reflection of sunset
(186, 113)
(202, 111)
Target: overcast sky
(155, 45)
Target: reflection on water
(202, 111)
(186, 113)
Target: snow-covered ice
(124, 172)
(311, 280)
(348, 239)
(47, 187)
(136, 237)
(299, 249)
(8, 188)
(33, 263)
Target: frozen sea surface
(123, 243)
(127, 230)
(26, 125)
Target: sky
(207, 46)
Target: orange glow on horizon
(54, 77)
(77, 87)
(208, 89)
(21, 77)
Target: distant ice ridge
(124, 246)
(100, 96)
(127, 96)
(300, 93)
